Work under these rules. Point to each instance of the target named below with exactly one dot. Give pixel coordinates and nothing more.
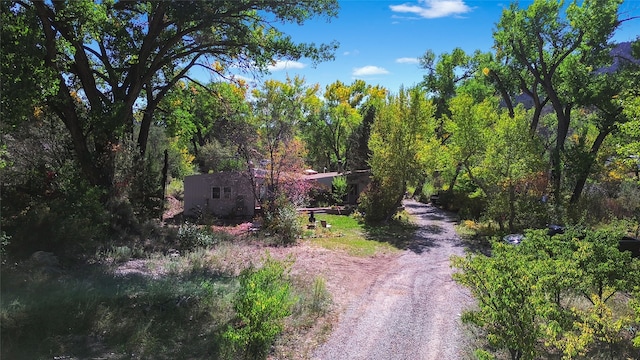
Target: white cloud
(348, 53)
(369, 70)
(407, 60)
(286, 65)
(431, 9)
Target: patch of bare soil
(391, 306)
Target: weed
(321, 297)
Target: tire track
(412, 310)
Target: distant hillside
(621, 54)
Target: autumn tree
(117, 56)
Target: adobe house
(223, 194)
(357, 181)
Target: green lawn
(358, 239)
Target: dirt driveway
(407, 306)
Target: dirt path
(412, 308)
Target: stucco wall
(234, 196)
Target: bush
(261, 304)
(4, 241)
(339, 188)
(75, 221)
(176, 188)
(191, 236)
(282, 219)
(377, 204)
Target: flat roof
(322, 175)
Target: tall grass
(178, 307)
(91, 314)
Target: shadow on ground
(93, 313)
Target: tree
(401, 139)
(510, 168)
(444, 76)
(541, 45)
(279, 108)
(467, 129)
(213, 120)
(603, 92)
(327, 131)
(24, 81)
(116, 55)
(359, 154)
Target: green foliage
(508, 299)
(5, 240)
(327, 130)
(558, 290)
(282, 219)
(402, 137)
(159, 318)
(214, 157)
(25, 79)
(339, 189)
(376, 203)
(176, 188)
(262, 302)
(120, 254)
(76, 222)
(191, 236)
(72, 44)
(564, 44)
(180, 160)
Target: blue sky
(380, 40)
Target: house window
(227, 193)
(215, 193)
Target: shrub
(120, 253)
(282, 219)
(261, 304)
(4, 242)
(339, 189)
(192, 236)
(176, 188)
(377, 204)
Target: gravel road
(412, 309)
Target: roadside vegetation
(198, 295)
(571, 295)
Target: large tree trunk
(584, 174)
